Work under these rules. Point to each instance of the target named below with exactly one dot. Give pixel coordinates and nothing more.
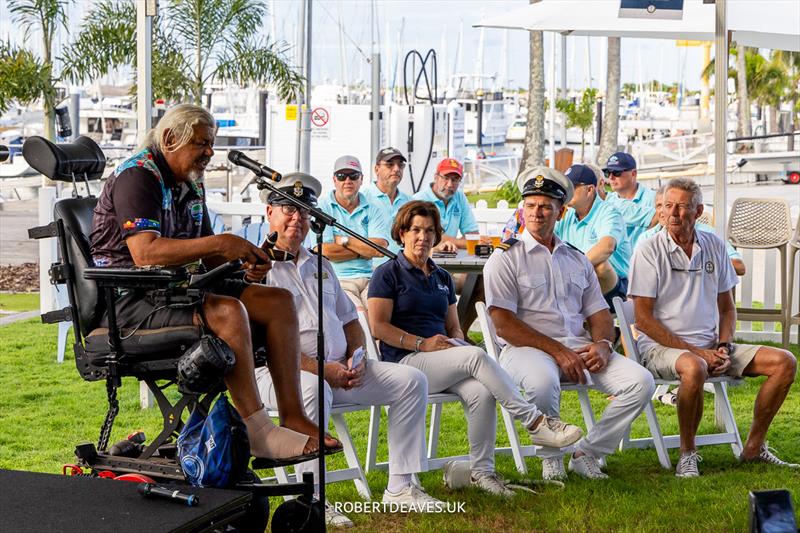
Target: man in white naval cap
(349, 377)
(540, 291)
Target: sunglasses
(342, 176)
(615, 173)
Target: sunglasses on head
(342, 176)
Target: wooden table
(472, 266)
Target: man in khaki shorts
(680, 282)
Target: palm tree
(26, 77)
(745, 124)
(533, 149)
(608, 140)
(195, 42)
(579, 114)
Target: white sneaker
(766, 455)
(336, 519)
(413, 498)
(554, 433)
(553, 468)
(586, 466)
(492, 483)
(687, 465)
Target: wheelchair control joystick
(201, 281)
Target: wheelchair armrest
(153, 277)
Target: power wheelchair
(109, 354)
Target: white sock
(398, 482)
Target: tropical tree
(579, 113)
(195, 42)
(25, 77)
(608, 140)
(533, 148)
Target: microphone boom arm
(320, 217)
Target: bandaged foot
(269, 441)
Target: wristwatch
(726, 345)
(345, 241)
(418, 344)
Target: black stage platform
(34, 502)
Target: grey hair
(180, 120)
(661, 190)
(687, 185)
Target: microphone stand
(320, 221)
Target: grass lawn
(45, 409)
(19, 301)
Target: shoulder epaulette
(505, 245)
(574, 248)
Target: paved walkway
(16, 317)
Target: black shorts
(620, 289)
(139, 310)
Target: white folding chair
(517, 450)
(662, 443)
(434, 400)
(354, 471)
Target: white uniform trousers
(539, 377)
(403, 389)
(478, 380)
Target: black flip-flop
(260, 463)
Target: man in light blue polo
(446, 195)
(384, 192)
(635, 202)
(351, 258)
(597, 230)
(390, 163)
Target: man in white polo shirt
(681, 281)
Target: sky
(426, 24)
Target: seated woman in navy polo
(412, 311)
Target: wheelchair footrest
(62, 315)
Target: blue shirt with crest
(419, 302)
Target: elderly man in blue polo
(445, 193)
(351, 258)
(635, 202)
(597, 230)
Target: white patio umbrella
(762, 23)
(758, 23)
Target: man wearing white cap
(351, 258)
(348, 377)
(540, 292)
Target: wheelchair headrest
(61, 161)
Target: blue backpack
(214, 450)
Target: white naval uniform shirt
(685, 290)
(301, 279)
(552, 293)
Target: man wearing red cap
(445, 194)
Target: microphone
(151, 489)
(238, 158)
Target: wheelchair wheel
(296, 516)
(257, 516)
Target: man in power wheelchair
(152, 212)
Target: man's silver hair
(688, 185)
(661, 190)
(180, 120)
